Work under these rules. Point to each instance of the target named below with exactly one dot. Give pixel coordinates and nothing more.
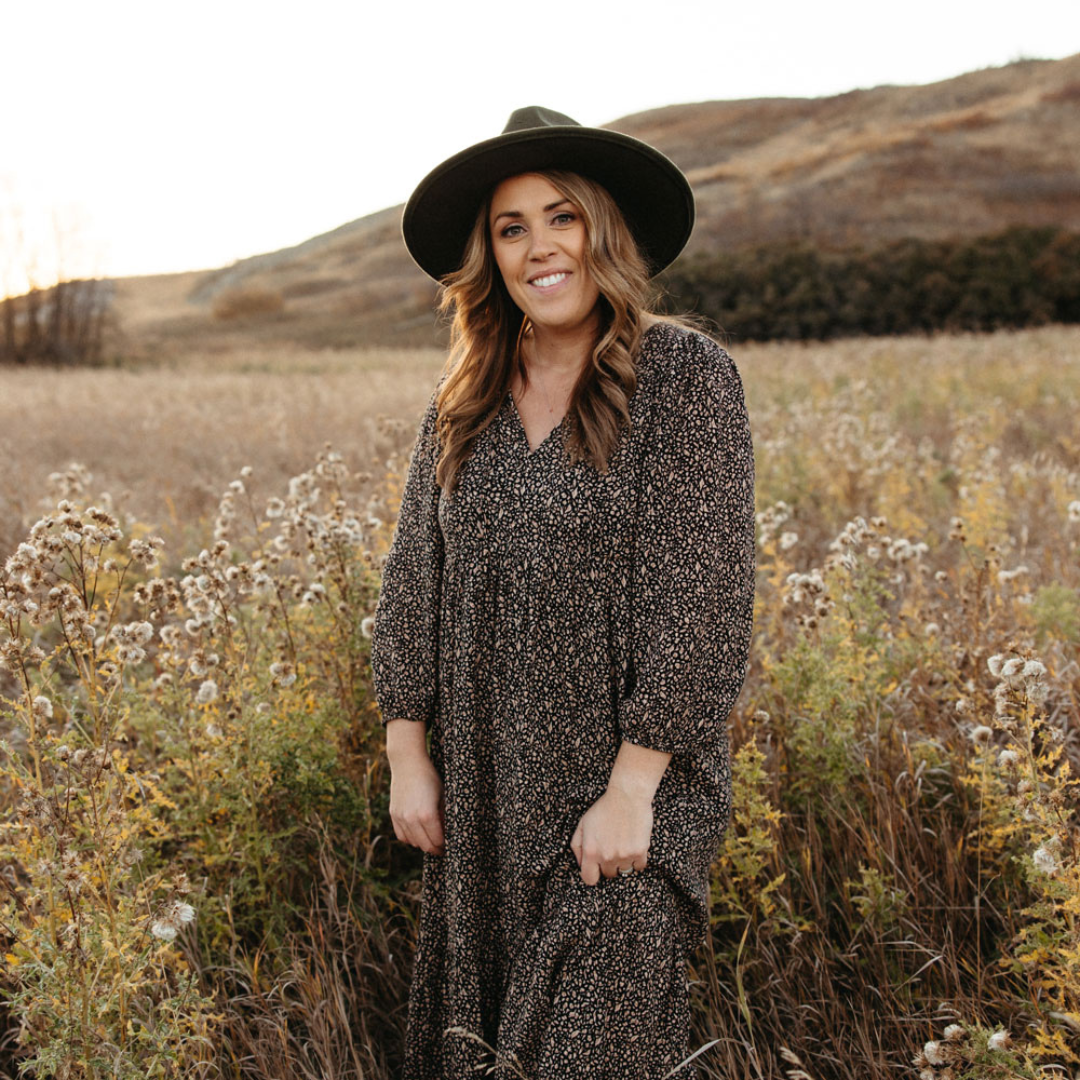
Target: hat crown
(536, 116)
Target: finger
(575, 844)
(403, 832)
(435, 829)
(590, 868)
(417, 835)
(433, 836)
(425, 844)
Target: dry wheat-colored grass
(164, 442)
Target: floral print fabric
(532, 622)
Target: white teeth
(544, 282)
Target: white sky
(170, 136)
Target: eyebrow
(518, 213)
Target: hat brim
(650, 190)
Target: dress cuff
(396, 707)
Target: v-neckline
(532, 451)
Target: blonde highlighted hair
(487, 327)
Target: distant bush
(64, 324)
(796, 290)
(242, 303)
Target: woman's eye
(564, 218)
(510, 230)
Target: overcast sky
(165, 136)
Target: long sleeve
(694, 560)
(405, 637)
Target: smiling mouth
(548, 280)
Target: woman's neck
(559, 354)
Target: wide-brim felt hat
(654, 196)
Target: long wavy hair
(487, 328)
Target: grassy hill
(962, 157)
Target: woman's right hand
(417, 807)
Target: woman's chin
(561, 318)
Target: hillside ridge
(968, 155)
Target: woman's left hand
(613, 833)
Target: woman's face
(538, 237)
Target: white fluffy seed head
(1045, 860)
(208, 692)
(1012, 669)
(934, 1053)
(1037, 692)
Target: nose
(541, 243)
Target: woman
(566, 609)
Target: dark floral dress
(533, 621)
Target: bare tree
(47, 315)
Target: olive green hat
(649, 189)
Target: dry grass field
(164, 440)
(199, 879)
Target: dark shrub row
(1019, 277)
(64, 324)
